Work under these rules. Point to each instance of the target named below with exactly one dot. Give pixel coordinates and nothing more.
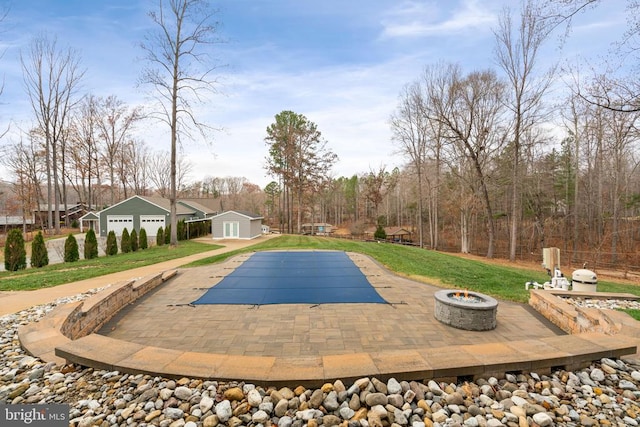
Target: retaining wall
(572, 319)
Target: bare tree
(517, 52)
(3, 14)
(419, 136)
(158, 172)
(83, 150)
(24, 160)
(470, 109)
(375, 185)
(233, 186)
(613, 90)
(51, 78)
(138, 155)
(409, 125)
(620, 143)
(115, 123)
(180, 71)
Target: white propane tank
(584, 280)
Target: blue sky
(341, 64)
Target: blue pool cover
(324, 277)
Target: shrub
(160, 237)
(167, 234)
(142, 240)
(380, 234)
(112, 243)
(125, 241)
(71, 253)
(90, 245)
(39, 254)
(75, 224)
(15, 255)
(134, 240)
(182, 230)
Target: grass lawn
(503, 282)
(57, 274)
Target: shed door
(231, 229)
(151, 223)
(117, 223)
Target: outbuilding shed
(236, 225)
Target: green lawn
(506, 283)
(57, 274)
(503, 282)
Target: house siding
(135, 207)
(249, 228)
(256, 228)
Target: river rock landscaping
(605, 394)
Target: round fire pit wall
(472, 312)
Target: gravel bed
(604, 394)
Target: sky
(342, 64)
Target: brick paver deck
(162, 334)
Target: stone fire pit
(467, 310)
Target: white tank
(584, 280)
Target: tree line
(494, 164)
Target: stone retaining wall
(569, 318)
(90, 316)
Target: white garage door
(117, 223)
(151, 223)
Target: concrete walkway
(14, 301)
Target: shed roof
(247, 214)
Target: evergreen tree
(15, 255)
(39, 254)
(134, 240)
(125, 241)
(160, 237)
(380, 234)
(90, 245)
(143, 243)
(71, 253)
(182, 230)
(112, 243)
(167, 234)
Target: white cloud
(419, 19)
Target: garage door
(151, 223)
(117, 223)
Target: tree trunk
(464, 231)
(56, 195)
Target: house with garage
(149, 213)
(236, 225)
(66, 214)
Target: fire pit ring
(471, 311)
